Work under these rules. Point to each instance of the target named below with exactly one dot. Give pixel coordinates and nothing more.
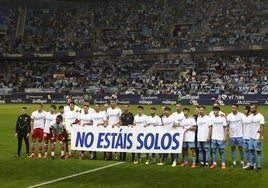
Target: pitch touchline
(74, 175)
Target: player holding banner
(153, 120)
(126, 119)
(168, 120)
(85, 119)
(189, 124)
(179, 116)
(140, 120)
(99, 118)
(113, 118)
(71, 117)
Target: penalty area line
(74, 175)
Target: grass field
(25, 172)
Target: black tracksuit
(23, 127)
(126, 119)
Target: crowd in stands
(131, 24)
(222, 75)
(98, 74)
(135, 75)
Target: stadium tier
(138, 47)
(133, 24)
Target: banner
(49, 96)
(132, 51)
(159, 139)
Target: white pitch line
(74, 175)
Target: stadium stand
(128, 24)
(136, 25)
(204, 75)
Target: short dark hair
(61, 107)
(86, 102)
(112, 99)
(216, 102)
(24, 108)
(59, 116)
(53, 106)
(167, 108)
(153, 108)
(235, 105)
(202, 107)
(247, 107)
(141, 107)
(186, 109)
(216, 108)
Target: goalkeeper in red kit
(58, 132)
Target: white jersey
(169, 121)
(84, 118)
(179, 117)
(114, 115)
(90, 110)
(49, 120)
(140, 120)
(257, 121)
(98, 117)
(39, 119)
(247, 125)
(155, 121)
(189, 135)
(235, 125)
(218, 124)
(67, 108)
(211, 114)
(203, 124)
(70, 117)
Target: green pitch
(25, 172)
